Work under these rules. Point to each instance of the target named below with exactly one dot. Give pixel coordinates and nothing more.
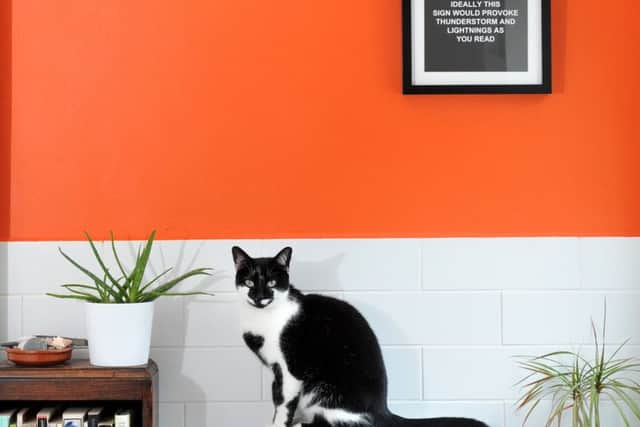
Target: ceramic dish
(38, 357)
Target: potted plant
(119, 305)
(576, 385)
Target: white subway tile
(168, 322)
(404, 366)
(241, 414)
(467, 373)
(479, 373)
(610, 263)
(352, 264)
(623, 317)
(431, 318)
(43, 315)
(10, 318)
(267, 381)
(213, 322)
(171, 414)
(564, 317)
(549, 317)
(51, 269)
(514, 263)
(486, 373)
(198, 375)
(492, 413)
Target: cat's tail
(397, 421)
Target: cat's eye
(271, 283)
(248, 283)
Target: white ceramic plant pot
(119, 334)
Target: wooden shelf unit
(77, 382)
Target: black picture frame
(409, 88)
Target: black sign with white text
(476, 35)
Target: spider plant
(575, 384)
(125, 286)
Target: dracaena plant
(125, 286)
(576, 385)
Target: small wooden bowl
(38, 357)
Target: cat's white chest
(268, 323)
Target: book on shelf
(107, 421)
(56, 421)
(123, 418)
(45, 416)
(107, 418)
(93, 417)
(74, 417)
(27, 417)
(8, 417)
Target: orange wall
(5, 115)
(232, 118)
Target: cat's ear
(239, 256)
(284, 257)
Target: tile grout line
(422, 373)
(580, 272)
(184, 413)
(414, 346)
(421, 265)
(502, 318)
(21, 316)
(504, 413)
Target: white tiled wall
(451, 314)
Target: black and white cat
(327, 364)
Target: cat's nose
(265, 302)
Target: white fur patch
(269, 322)
(306, 412)
(333, 416)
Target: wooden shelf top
(77, 368)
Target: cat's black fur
(329, 347)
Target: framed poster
(476, 46)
